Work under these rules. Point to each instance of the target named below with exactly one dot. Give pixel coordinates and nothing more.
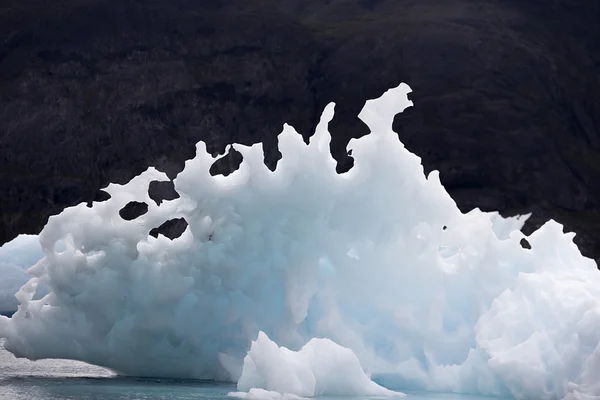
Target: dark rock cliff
(506, 92)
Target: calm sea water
(22, 379)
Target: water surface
(21, 379)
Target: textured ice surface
(320, 367)
(15, 258)
(379, 260)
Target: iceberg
(320, 367)
(378, 261)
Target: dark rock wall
(506, 92)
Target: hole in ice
(100, 197)
(160, 191)
(133, 210)
(227, 164)
(172, 228)
(525, 244)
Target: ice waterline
(378, 262)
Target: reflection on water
(107, 388)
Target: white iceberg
(379, 260)
(320, 367)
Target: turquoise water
(22, 379)
(88, 388)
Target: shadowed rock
(506, 94)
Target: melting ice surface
(376, 266)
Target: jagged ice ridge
(378, 260)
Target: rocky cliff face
(507, 94)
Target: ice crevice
(366, 283)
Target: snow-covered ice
(379, 261)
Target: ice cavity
(321, 367)
(379, 260)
